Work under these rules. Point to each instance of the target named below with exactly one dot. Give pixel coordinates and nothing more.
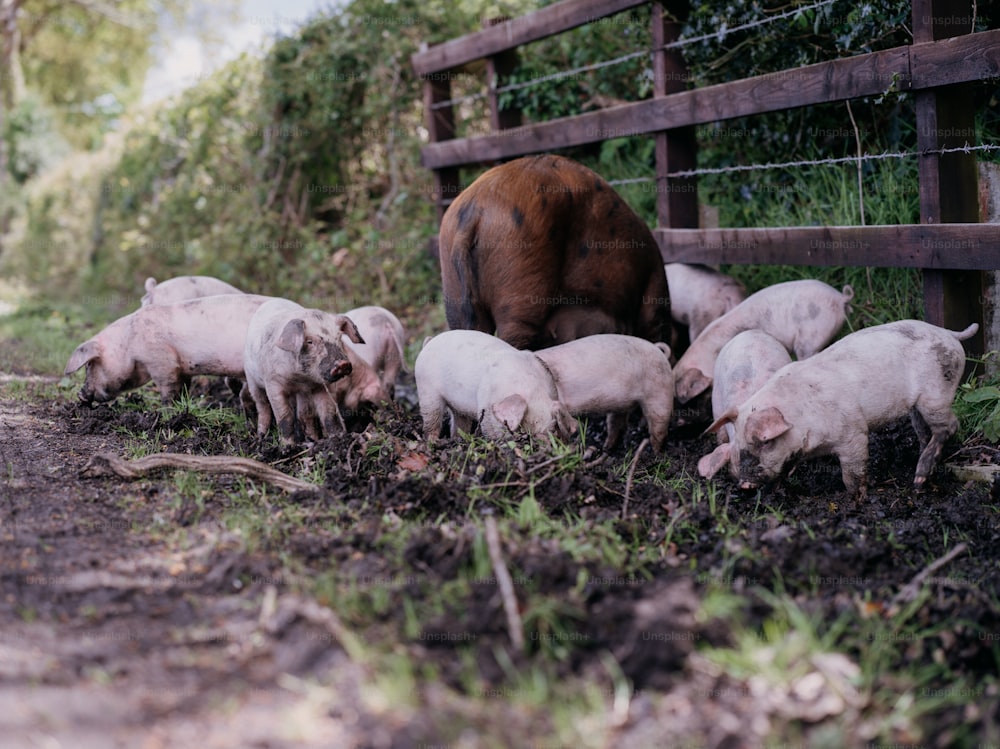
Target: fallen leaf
(413, 461)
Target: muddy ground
(117, 629)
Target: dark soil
(116, 630)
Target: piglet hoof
(920, 484)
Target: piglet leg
(853, 456)
(932, 451)
(616, 424)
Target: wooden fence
(941, 65)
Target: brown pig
(826, 404)
(291, 357)
(804, 316)
(612, 374)
(168, 344)
(542, 250)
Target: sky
(185, 57)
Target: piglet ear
(727, 418)
(765, 425)
(510, 411)
(349, 329)
(710, 464)
(691, 384)
(84, 354)
(293, 336)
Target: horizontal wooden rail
(532, 27)
(929, 246)
(901, 68)
(959, 59)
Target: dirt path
(111, 637)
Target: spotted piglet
(292, 356)
(826, 404)
(804, 316)
(743, 366)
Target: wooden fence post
(676, 149)
(441, 126)
(989, 212)
(946, 118)
(497, 67)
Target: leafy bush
(296, 175)
(977, 406)
(31, 141)
(300, 174)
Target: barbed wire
(630, 181)
(811, 162)
(721, 33)
(677, 44)
(572, 71)
(544, 79)
(457, 100)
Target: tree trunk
(11, 75)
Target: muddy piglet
(612, 374)
(699, 295)
(477, 377)
(292, 355)
(826, 405)
(182, 288)
(804, 316)
(167, 344)
(743, 366)
(376, 363)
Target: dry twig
(506, 585)
(104, 464)
(909, 591)
(631, 473)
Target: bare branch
(506, 585)
(104, 463)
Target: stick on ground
(910, 591)
(506, 585)
(104, 464)
(631, 473)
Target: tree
(83, 61)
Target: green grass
(38, 338)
